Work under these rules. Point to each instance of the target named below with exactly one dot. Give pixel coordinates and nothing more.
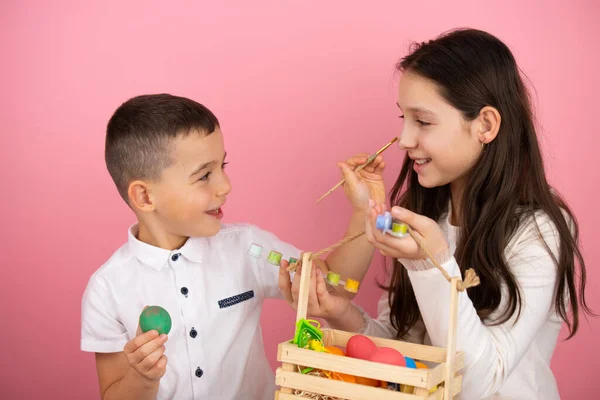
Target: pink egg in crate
(361, 347)
(387, 355)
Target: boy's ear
(139, 193)
(490, 120)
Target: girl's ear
(489, 121)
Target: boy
(167, 158)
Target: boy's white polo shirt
(213, 288)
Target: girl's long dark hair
(474, 69)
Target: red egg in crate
(387, 355)
(361, 347)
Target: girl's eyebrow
(418, 110)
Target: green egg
(157, 318)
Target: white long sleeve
(511, 359)
(382, 326)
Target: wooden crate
(445, 375)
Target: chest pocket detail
(238, 298)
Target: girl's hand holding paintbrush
(364, 184)
(362, 179)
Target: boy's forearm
(133, 386)
(353, 259)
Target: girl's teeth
(420, 162)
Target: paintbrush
(369, 161)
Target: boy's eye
(401, 116)
(205, 177)
(224, 164)
(423, 123)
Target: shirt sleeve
(268, 274)
(382, 325)
(101, 330)
(492, 352)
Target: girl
(472, 185)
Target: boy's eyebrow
(203, 166)
(200, 168)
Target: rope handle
(471, 278)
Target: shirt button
(199, 372)
(175, 257)
(193, 333)
(184, 291)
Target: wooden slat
(455, 389)
(412, 350)
(421, 392)
(330, 387)
(304, 287)
(290, 368)
(290, 353)
(438, 373)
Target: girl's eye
(205, 177)
(401, 117)
(423, 123)
(224, 164)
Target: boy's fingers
(146, 349)
(312, 290)
(151, 359)
(285, 283)
(321, 288)
(158, 370)
(321, 264)
(296, 284)
(140, 340)
(162, 362)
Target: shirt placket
(191, 306)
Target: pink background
(297, 87)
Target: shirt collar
(157, 257)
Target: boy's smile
(218, 213)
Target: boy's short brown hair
(140, 132)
